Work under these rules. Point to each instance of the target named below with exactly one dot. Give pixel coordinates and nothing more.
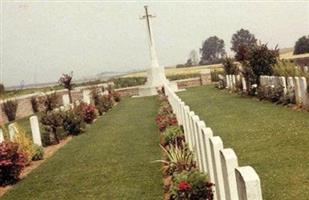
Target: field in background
(178, 71)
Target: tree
(302, 45)
(194, 57)
(261, 61)
(212, 50)
(66, 81)
(242, 41)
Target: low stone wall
(24, 108)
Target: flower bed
(182, 179)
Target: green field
(272, 139)
(112, 160)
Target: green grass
(111, 161)
(272, 139)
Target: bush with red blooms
(12, 163)
(191, 185)
(87, 111)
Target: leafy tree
(260, 62)
(212, 50)
(66, 81)
(302, 45)
(242, 41)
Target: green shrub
(261, 61)
(172, 135)
(25, 143)
(11, 163)
(179, 158)
(191, 185)
(286, 69)
(52, 121)
(73, 123)
(229, 66)
(50, 102)
(10, 109)
(104, 103)
(38, 152)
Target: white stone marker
(209, 163)
(305, 69)
(191, 114)
(297, 91)
(186, 122)
(283, 84)
(227, 81)
(12, 131)
(65, 100)
(291, 88)
(234, 82)
(244, 84)
(86, 96)
(196, 149)
(248, 184)
(216, 145)
(35, 129)
(303, 91)
(1, 136)
(229, 162)
(200, 125)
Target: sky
(40, 40)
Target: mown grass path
(271, 138)
(111, 161)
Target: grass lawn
(112, 160)
(272, 139)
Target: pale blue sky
(50, 38)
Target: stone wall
(24, 108)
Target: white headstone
(244, 84)
(303, 91)
(234, 82)
(1, 136)
(12, 131)
(227, 81)
(297, 91)
(65, 100)
(229, 162)
(216, 145)
(283, 84)
(35, 129)
(305, 69)
(248, 184)
(207, 134)
(86, 96)
(291, 88)
(201, 147)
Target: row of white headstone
(221, 164)
(293, 87)
(34, 122)
(232, 80)
(290, 85)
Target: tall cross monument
(156, 74)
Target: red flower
(183, 185)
